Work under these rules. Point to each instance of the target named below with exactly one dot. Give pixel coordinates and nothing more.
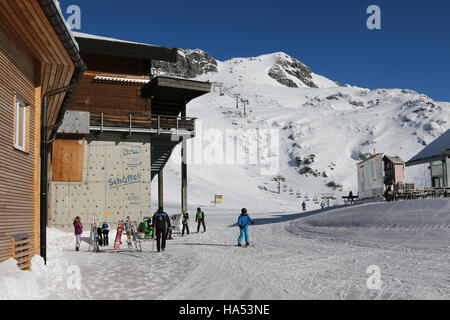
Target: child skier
(304, 206)
(185, 222)
(200, 219)
(322, 205)
(105, 231)
(78, 231)
(243, 221)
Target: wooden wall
(67, 160)
(106, 97)
(18, 71)
(33, 62)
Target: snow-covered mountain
(324, 130)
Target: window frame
(20, 106)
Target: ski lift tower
(237, 96)
(245, 102)
(279, 179)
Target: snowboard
(118, 241)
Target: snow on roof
(436, 149)
(96, 37)
(395, 160)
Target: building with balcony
(119, 131)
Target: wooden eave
(126, 49)
(170, 95)
(29, 24)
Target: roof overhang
(117, 48)
(438, 150)
(411, 163)
(170, 95)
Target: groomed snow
(313, 255)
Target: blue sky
(412, 49)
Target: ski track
(282, 265)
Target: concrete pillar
(184, 169)
(161, 190)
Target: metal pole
(161, 190)
(184, 168)
(44, 164)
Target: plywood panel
(67, 160)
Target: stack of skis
(100, 235)
(133, 241)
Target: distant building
(394, 172)
(437, 154)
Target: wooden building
(39, 68)
(119, 131)
(394, 172)
(437, 154)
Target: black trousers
(201, 222)
(105, 238)
(161, 236)
(185, 227)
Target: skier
(243, 221)
(322, 205)
(200, 219)
(105, 231)
(78, 231)
(161, 224)
(147, 227)
(304, 206)
(99, 237)
(185, 222)
(171, 228)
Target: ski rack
(93, 235)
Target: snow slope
(335, 126)
(314, 255)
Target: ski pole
(154, 239)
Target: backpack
(160, 220)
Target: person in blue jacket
(243, 221)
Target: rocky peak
(190, 64)
(291, 72)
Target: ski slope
(336, 124)
(312, 255)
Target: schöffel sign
(131, 178)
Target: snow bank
(42, 282)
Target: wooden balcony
(130, 123)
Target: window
(20, 126)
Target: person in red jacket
(78, 232)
